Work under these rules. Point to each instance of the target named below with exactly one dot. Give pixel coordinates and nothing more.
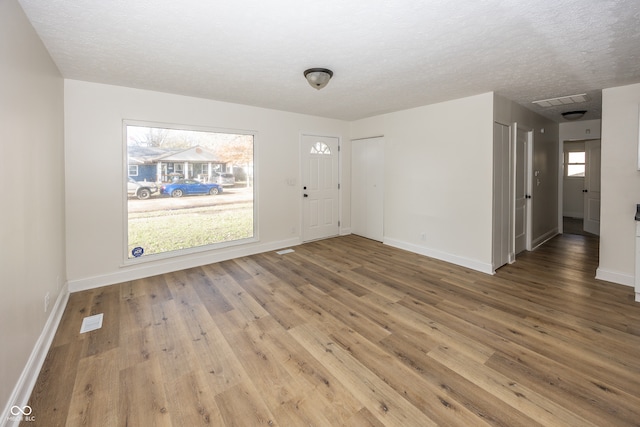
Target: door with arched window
(320, 187)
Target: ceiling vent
(563, 100)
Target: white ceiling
(386, 55)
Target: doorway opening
(581, 187)
(512, 213)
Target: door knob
(585, 191)
(306, 195)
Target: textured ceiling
(386, 55)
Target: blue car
(184, 187)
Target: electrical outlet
(47, 300)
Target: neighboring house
(163, 165)
(141, 162)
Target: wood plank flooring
(347, 331)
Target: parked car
(225, 179)
(141, 189)
(184, 187)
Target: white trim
(140, 271)
(615, 277)
(544, 238)
(29, 376)
(638, 139)
(345, 231)
(482, 267)
(148, 259)
(528, 175)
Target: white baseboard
(615, 277)
(443, 256)
(168, 265)
(23, 388)
(544, 239)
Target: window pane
(320, 148)
(576, 157)
(192, 189)
(575, 170)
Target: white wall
(438, 178)
(580, 130)
(95, 172)
(546, 160)
(32, 213)
(620, 183)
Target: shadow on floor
(574, 226)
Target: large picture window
(193, 189)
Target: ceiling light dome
(318, 77)
(573, 115)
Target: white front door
(591, 222)
(320, 192)
(522, 190)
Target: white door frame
(502, 247)
(561, 167)
(515, 127)
(300, 173)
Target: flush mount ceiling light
(318, 77)
(562, 100)
(573, 115)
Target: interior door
(320, 191)
(591, 222)
(367, 188)
(522, 192)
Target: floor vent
(91, 323)
(285, 251)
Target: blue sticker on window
(137, 252)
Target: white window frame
(136, 169)
(194, 250)
(567, 164)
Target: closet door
(367, 183)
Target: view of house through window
(187, 189)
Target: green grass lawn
(170, 230)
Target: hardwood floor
(347, 331)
